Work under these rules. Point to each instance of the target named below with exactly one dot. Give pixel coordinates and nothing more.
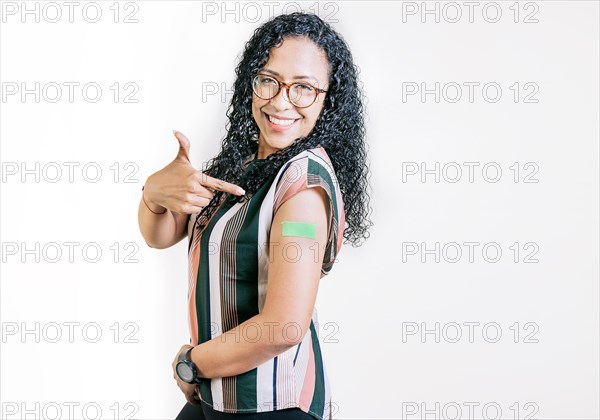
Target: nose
(279, 101)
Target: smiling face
(296, 60)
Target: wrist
(186, 368)
(189, 352)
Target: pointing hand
(181, 188)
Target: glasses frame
(287, 87)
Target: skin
(292, 285)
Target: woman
(295, 122)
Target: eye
(305, 87)
(265, 80)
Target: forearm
(159, 230)
(243, 348)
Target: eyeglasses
(301, 94)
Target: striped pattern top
(228, 267)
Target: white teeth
(280, 122)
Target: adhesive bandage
(304, 230)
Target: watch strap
(188, 357)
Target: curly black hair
(339, 129)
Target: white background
(174, 54)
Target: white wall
(379, 298)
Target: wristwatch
(186, 369)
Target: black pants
(205, 412)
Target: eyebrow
(295, 77)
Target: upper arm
(295, 262)
(181, 227)
(179, 231)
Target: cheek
(256, 113)
(257, 104)
(310, 118)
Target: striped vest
(228, 268)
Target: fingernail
(240, 191)
(174, 131)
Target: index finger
(219, 184)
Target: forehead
(298, 56)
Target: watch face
(185, 372)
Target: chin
(277, 145)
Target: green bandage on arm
(304, 230)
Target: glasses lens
(302, 95)
(265, 87)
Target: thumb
(184, 147)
